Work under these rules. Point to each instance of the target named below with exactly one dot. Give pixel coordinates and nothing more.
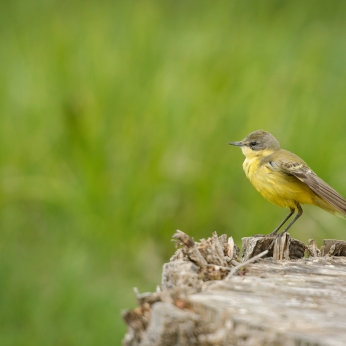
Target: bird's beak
(237, 144)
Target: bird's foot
(276, 237)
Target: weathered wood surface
(208, 298)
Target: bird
(284, 179)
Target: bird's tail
(319, 202)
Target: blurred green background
(115, 118)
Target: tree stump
(289, 294)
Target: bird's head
(257, 142)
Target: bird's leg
(299, 214)
(275, 232)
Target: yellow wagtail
(285, 179)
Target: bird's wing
(301, 171)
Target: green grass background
(115, 118)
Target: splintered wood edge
(328, 243)
(283, 248)
(286, 248)
(253, 246)
(333, 247)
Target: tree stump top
(209, 297)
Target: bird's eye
(253, 144)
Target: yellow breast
(278, 188)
